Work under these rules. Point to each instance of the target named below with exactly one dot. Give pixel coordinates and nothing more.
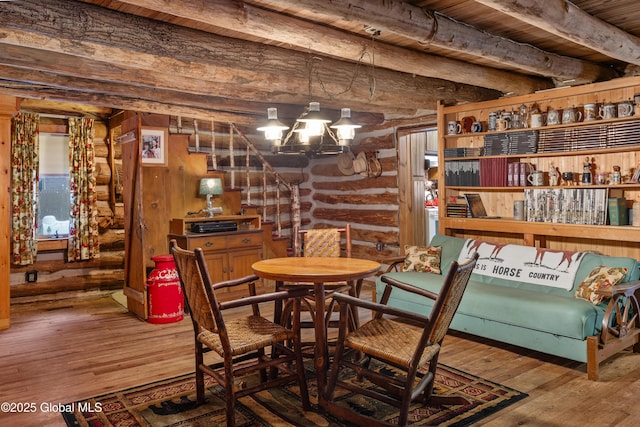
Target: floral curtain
(83, 229)
(24, 188)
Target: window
(54, 203)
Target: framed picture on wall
(154, 146)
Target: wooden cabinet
(606, 142)
(229, 254)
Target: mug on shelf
(601, 178)
(491, 123)
(536, 178)
(590, 112)
(553, 117)
(537, 120)
(476, 127)
(516, 121)
(503, 124)
(466, 123)
(607, 111)
(453, 128)
(571, 115)
(625, 109)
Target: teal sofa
(542, 318)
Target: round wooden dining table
(316, 270)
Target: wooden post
(8, 106)
(248, 173)
(295, 213)
(195, 130)
(214, 159)
(264, 192)
(232, 162)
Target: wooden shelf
(574, 125)
(578, 153)
(468, 189)
(611, 240)
(531, 229)
(245, 222)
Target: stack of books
(517, 173)
(457, 210)
(465, 173)
(523, 142)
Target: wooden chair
(399, 339)
(323, 242)
(241, 339)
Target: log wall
(369, 204)
(327, 198)
(55, 274)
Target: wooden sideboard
(229, 254)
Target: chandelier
(311, 133)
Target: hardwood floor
(60, 351)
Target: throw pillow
(422, 258)
(601, 277)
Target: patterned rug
(171, 402)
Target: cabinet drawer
(208, 243)
(244, 240)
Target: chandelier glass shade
(311, 134)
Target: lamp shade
(273, 127)
(209, 186)
(345, 127)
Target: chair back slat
(194, 288)
(324, 242)
(449, 299)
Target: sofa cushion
(601, 277)
(422, 258)
(593, 260)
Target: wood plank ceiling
(229, 60)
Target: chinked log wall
(331, 199)
(328, 198)
(106, 272)
(369, 204)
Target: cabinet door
(240, 262)
(217, 266)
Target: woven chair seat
(247, 334)
(390, 340)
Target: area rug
(171, 402)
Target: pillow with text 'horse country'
(600, 278)
(422, 259)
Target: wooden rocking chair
(403, 340)
(241, 339)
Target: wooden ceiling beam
(24, 72)
(113, 43)
(566, 20)
(250, 22)
(435, 29)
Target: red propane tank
(164, 291)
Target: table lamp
(209, 187)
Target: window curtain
(24, 188)
(83, 229)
